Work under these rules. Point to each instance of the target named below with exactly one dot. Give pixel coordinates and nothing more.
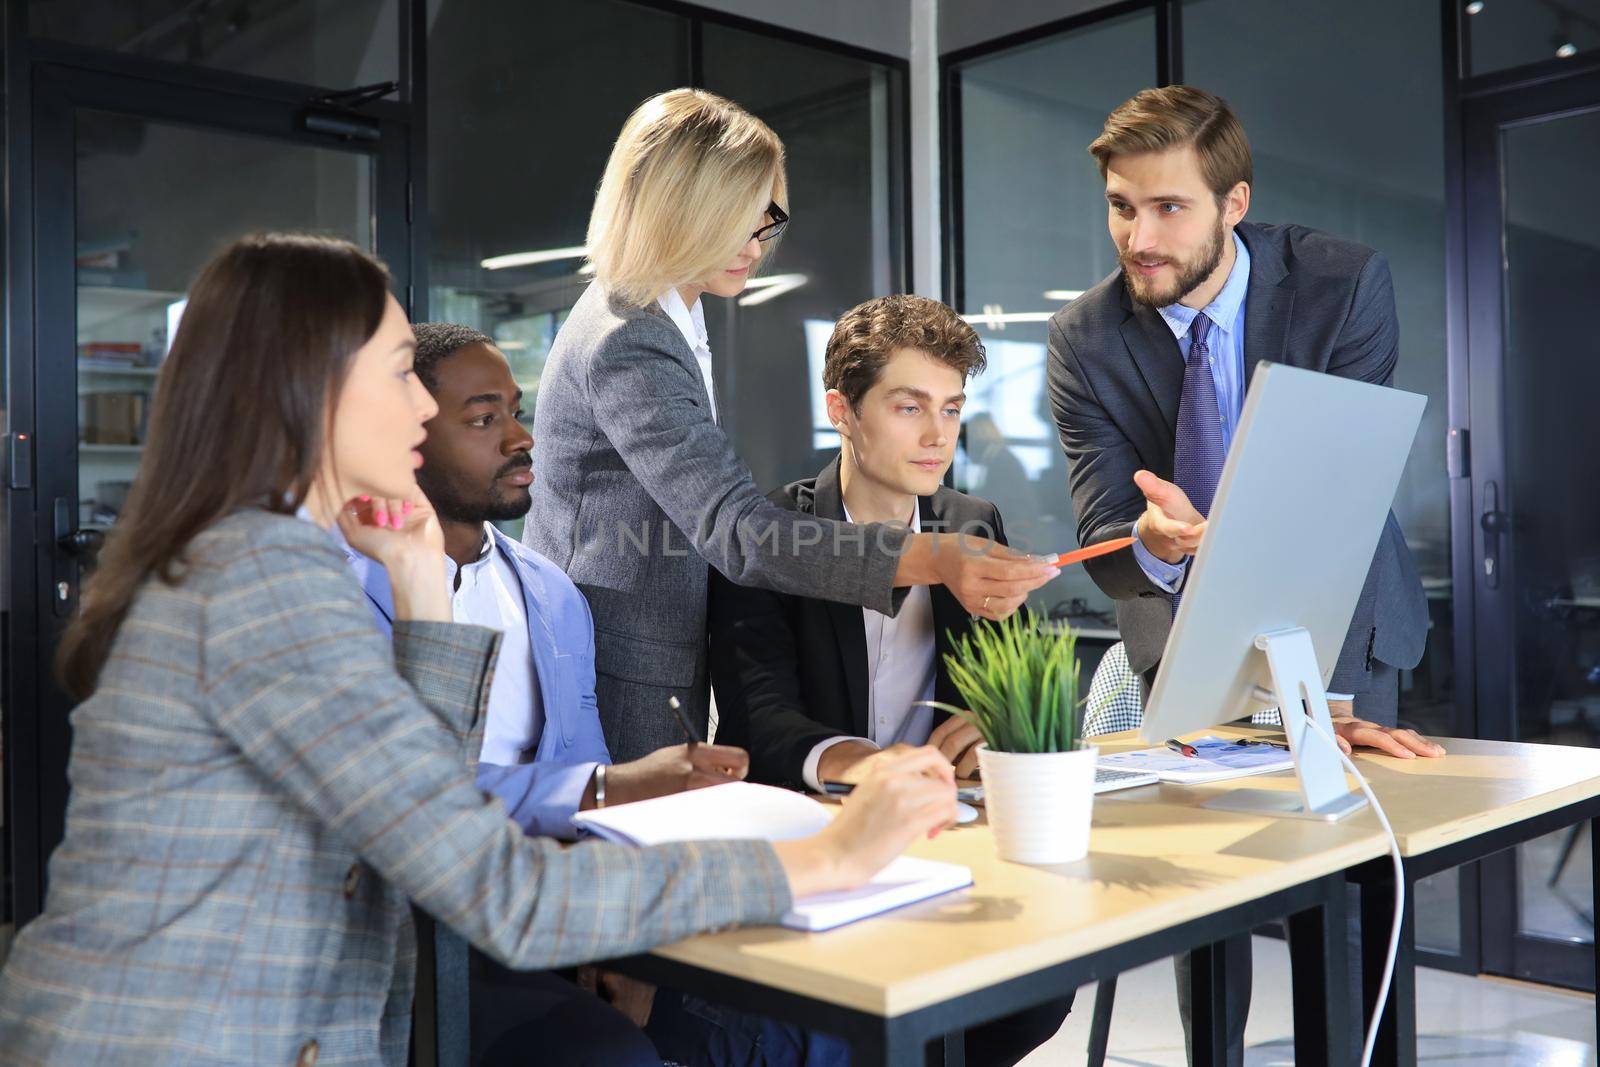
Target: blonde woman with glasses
(637, 491)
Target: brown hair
(240, 414)
(868, 334)
(1158, 119)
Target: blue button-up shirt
(1226, 342)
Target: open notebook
(742, 810)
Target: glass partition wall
(509, 194)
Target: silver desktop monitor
(1302, 502)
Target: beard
(494, 505)
(1190, 274)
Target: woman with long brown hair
(261, 783)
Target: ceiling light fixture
(1001, 318)
(1475, 7)
(1567, 50)
(528, 259)
(760, 290)
(1062, 294)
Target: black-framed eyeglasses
(780, 219)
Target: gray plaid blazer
(259, 784)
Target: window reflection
(838, 116)
(1512, 33)
(336, 44)
(509, 201)
(1033, 236)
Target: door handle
(75, 549)
(1494, 523)
(79, 544)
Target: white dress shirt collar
(450, 567)
(691, 322)
(1222, 310)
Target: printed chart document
(1216, 760)
(742, 810)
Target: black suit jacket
(790, 671)
(1115, 377)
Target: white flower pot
(1039, 803)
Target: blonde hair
(1158, 119)
(686, 184)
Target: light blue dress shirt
(1226, 313)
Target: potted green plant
(1020, 685)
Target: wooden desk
(1161, 878)
(1481, 798)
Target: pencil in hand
(683, 720)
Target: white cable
(1399, 891)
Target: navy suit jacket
(1115, 377)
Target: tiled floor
(1463, 1022)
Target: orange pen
(1101, 549)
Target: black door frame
(1486, 112)
(46, 85)
(1468, 958)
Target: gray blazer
(637, 492)
(259, 783)
(1116, 374)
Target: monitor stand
(1297, 684)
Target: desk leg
(948, 1051)
(894, 1044)
(879, 1048)
(1319, 962)
(1594, 907)
(1397, 1034)
(1208, 984)
(1105, 996)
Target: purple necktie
(1197, 459)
